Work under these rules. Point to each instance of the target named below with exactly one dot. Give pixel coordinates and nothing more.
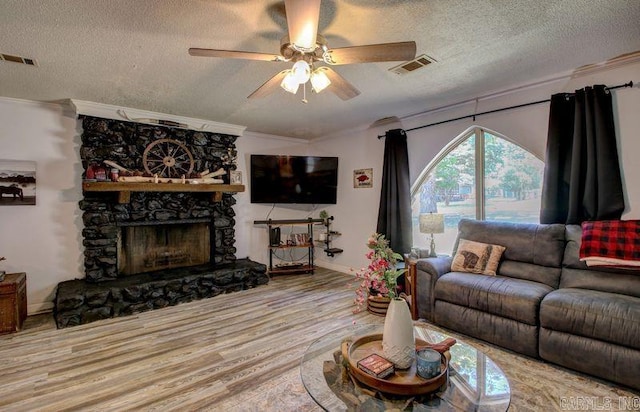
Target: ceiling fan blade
(269, 86)
(385, 52)
(232, 54)
(302, 20)
(339, 85)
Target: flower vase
(398, 341)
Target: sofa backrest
(533, 252)
(576, 274)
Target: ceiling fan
(305, 48)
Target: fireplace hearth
(158, 248)
(79, 301)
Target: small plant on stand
(380, 277)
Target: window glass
(509, 184)
(513, 182)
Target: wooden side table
(13, 302)
(410, 285)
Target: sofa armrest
(427, 271)
(436, 266)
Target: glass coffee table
(475, 382)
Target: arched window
(479, 175)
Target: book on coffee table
(376, 365)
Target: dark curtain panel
(582, 173)
(394, 214)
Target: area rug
(535, 386)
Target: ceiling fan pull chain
(304, 93)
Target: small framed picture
(235, 177)
(17, 182)
(363, 178)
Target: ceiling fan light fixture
(319, 80)
(301, 71)
(290, 83)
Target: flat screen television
(294, 179)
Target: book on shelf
(376, 365)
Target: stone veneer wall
(124, 143)
(103, 294)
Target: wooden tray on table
(401, 382)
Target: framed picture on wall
(17, 182)
(363, 178)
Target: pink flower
(380, 276)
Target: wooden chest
(13, 302)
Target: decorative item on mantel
(126, 175)
(229, 162)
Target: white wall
(45, 240)
(42, 240)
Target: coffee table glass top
(475, 381)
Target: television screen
(294, 179)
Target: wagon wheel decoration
(167, 158)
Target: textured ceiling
(134, 54)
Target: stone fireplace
(158, 248)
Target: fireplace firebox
(152, 247)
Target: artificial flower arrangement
(380, 277)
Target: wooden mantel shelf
(124, 189)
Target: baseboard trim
(337, 268)
(38, 308)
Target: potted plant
(379, 280)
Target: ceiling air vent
(17, 59)
(413, 65)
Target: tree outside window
(507, 177)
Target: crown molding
(107, 111)
(260, 135)
(613, 63)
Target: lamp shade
(289, 83)
(301, 71)
(432, 223)
(319, 80)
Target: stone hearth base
(79, 301)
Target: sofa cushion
(541, 245)
(498, 330)
(605, 316)
(477, 257)
(595, 357)
(515, 299)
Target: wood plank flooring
(235, 352)
(211, 354)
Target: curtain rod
(630, 84)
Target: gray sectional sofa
(544, 302)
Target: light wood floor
(235, 352)
(230, 352)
